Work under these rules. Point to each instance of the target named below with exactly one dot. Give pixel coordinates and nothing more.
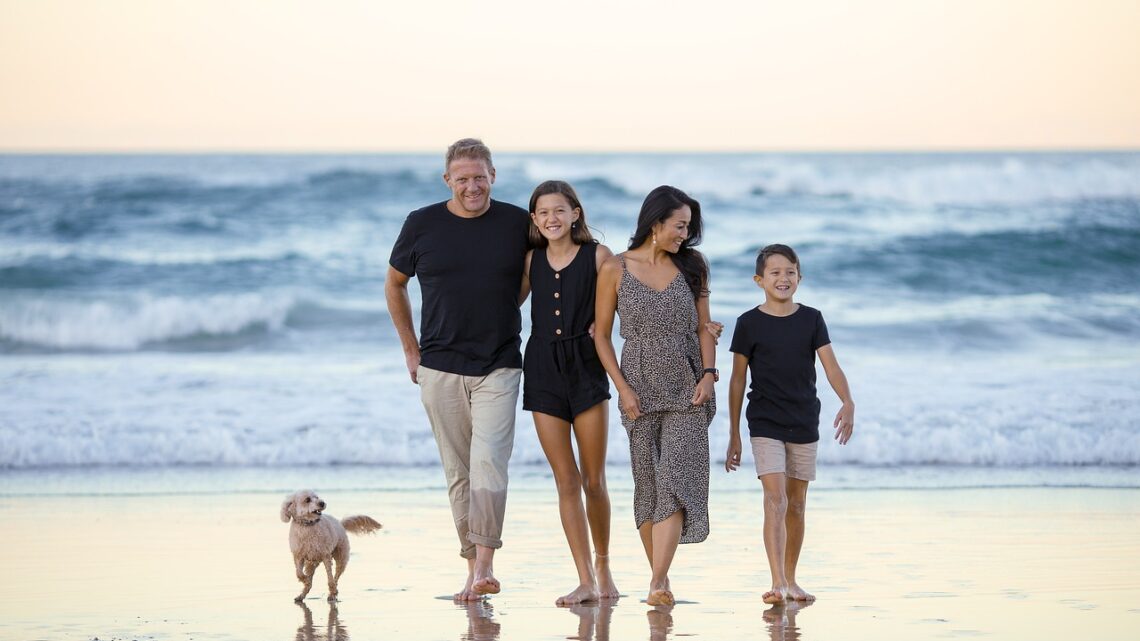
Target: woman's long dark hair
(658, 206)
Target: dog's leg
(332, 579)
(307, 579)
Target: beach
(201, 554)
(186, 339)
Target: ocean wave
(912, 178)
(139, 321)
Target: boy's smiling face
(780, 279)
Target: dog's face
(303, 506)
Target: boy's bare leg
(794, 525)
(775, 533)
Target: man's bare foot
(467, 595)
(796, 593)
(660, 597)
(775, 595)
(486, 585)
(606, 587)
(581, 594)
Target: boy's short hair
(468, 148)
(776, 250)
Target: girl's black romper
(562, 375)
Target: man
(468, 253)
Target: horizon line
(250, 151)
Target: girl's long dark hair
(579, 232)
(658, 206)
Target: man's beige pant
(473, 420)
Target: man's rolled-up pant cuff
(485, 541)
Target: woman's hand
(630, 403)
(704, 390)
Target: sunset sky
(613, 75)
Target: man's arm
(400, 309)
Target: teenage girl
(564, 384)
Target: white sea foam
(353, 407)
(132, 322)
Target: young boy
(778, 342)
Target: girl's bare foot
(606, 586)
(581, 594)
(796, 593)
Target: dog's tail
(360, 524)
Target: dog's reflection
(593, 620)
(333, 630)
(781, 620)
(481, 624)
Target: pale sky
(527, 75)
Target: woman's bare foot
(581, 594)
(606, 587)
(796, 593)
(776, 595)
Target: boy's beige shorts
(797, 460)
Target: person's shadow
(481, 624)
(781, 620)
(333, 630)
(593, 620)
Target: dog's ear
(287, 509)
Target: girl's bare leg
(590, 429)
(554, 435)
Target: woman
(659, 287)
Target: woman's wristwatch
(714, 371)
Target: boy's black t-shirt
(470, 271)
(782, 401)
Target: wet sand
(154, 556)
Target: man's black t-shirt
(782, 401)
(470, 271)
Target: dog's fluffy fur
(317, 538)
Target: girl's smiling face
(780, 279)
(553, 216)
(672, 232)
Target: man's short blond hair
(468, 148)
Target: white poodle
(317, 538)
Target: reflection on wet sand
(660, 622)
(781, 620)
(333, 630)
(481, 624)
(593, 620)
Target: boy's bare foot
(581, 594)
(660, 597)
(606, 587)
(775, 595)
(796, 593)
